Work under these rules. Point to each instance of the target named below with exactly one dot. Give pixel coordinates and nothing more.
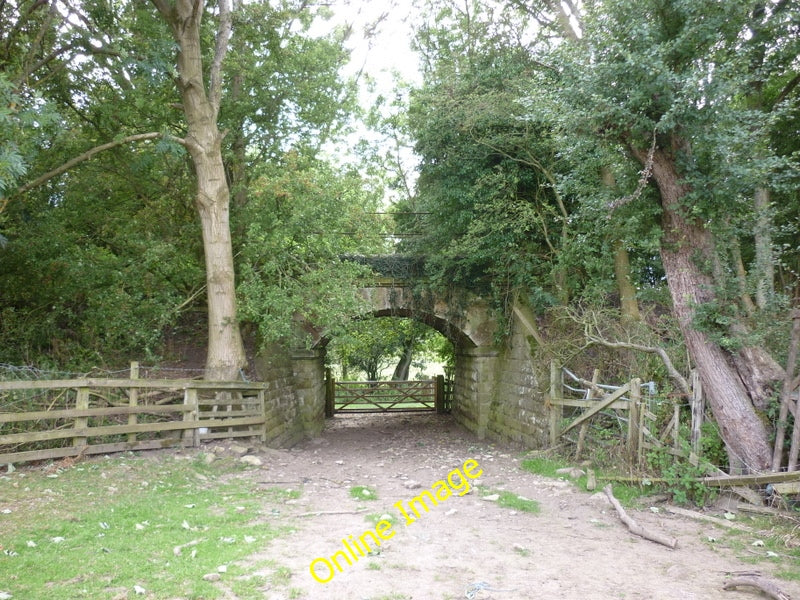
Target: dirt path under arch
(575, 547)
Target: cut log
(763, 585)
(635, 528)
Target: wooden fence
(61, 418)
(593, 398)
(386, 396)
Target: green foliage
(485, 175)
(549, 466)
(285, 88)
(544, 466)
(681, 476)
(693, 78)
(363, 492)
(370, 345)
(94, 276)
(299, 222)
(96, 264)
(515, 203)
(712, 447)
(512, 501)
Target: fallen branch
(707, 518)
(728, 481)
(770, 511)
(678, 379)
(634, 527)
(763, 585)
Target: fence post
(81, 403)
(698, 414)
(330, 393)
(133, 400)
(585, 425)
(191, 437)
(262, 406)
(439, 394)
(556, 409)
(635, 405)
(676, 432)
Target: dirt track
(575, 547)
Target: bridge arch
(496, 391)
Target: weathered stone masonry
(497, 391)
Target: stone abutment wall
(291, 395)
(497, 392)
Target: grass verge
(511, 500)
(627, 494)
(363, 492)
(131, 527)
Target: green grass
(772, 541)
(547, 467)
(100, 528)
(511, 500)
(373, 518)
(363, 492)
(279, 495)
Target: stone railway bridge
(497, 390)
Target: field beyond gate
(386, 396)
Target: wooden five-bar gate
(387, 396)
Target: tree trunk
(403, 367)
(629, 307)
(741, 279)
(685, 243)
(764, 267)
(226, 354)
(786, 392)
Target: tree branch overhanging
(678, 379)
(91, 153)
(593, 336)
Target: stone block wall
(309, 387)
(518, 411)
(497, 392)
(284, 427)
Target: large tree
(665, 87)
(201, 95)
(663, 79)
(252, 85)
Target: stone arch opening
(363, 327)
(496, 386)
(471, 330)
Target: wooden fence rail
(596, 399)
(60, 418)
